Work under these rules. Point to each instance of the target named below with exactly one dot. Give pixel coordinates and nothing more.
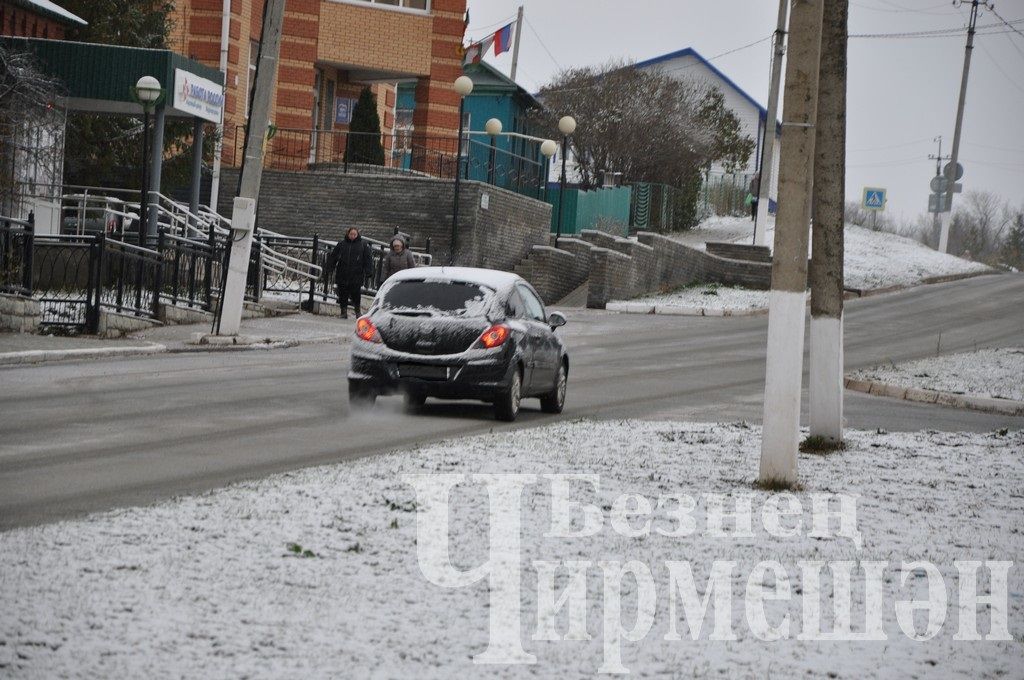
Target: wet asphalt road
(83, 436)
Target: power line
(903, 10)
(890, 146)
(541, 41)
(503, 22)
(1009, 24)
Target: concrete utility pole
(243, 215)
(938, 158)
(218, 149)
(771, 129)
(788, 297)
(955, 154)
(826, 273)
(515, 46)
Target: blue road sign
(874, 198)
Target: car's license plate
(424, 371)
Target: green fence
(606, 209)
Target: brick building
(35, 19)
(330, 50)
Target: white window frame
(376, 4)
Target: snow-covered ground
(984, 373)
(873, 259)
(709, 296)
(314, 573)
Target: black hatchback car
(459, 333)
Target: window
(534, 307)
(403, 131)
(422, 5)
(440, 297)
(464, 146)
(515, 307)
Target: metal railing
(192, 269)
(521, 168)
(313, 252)
(130, 278)
(16, 246)
(64, 280)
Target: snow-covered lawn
(984, 373)
(314, 573)
(873, 259)
(710, 296)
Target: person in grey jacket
(398, 259)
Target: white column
(780, 438)
(826, 376)
(243, 221)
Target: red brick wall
(23, 23)
(334, 37)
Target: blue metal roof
(690, 52)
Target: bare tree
(644, 124)
(31, 129)
(978, 227)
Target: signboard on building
(343, 110)
(197, 96)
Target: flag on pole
(476, 51)
(503, 39)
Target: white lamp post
(463, 87)
(493, 128)
(147, 91)
(567, 126)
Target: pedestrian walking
(753, 191)
(353, 264)
(398, 259)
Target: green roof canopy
(101, 78)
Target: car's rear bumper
(476, 374)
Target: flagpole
(515, 50)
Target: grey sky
(902, 92)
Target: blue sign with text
(343, 110)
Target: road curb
(855, 293)
(626, 307)
(36, 356)
(1008, 407)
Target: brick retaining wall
(300, 203)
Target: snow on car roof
(491, 278)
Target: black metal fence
(291, 283)
(16, 239)
(192, 269)
(75, 276)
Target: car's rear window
(443, 297)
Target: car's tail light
(366, 330)
(494, 336)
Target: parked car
(459, 333)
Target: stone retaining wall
(19, 314)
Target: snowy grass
(710, 296)
(984, 373)
(314, 573)
(873, 259)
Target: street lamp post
(147, 91)
(567, 125)
(463, 86)
(493, 129)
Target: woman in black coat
(353, 264)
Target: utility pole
(955, 154)
(826, 272)
(788, 297)
(515, 46)
(938, 158)
(243, 215)
(770, 129)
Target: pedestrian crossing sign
(874, 198)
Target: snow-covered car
(459, 333)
